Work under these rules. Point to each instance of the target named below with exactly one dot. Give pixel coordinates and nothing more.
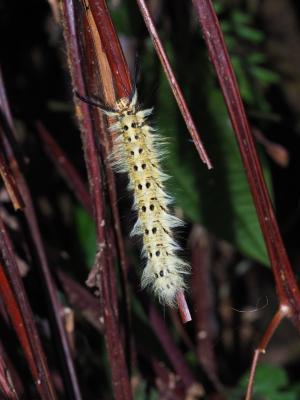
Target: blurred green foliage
(220, 199)
(142, 393)
(86, 233)
(245, 45)
(271, 383)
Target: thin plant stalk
(9, 144)
(104, 263)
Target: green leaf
(241, 18)
(256, 58)
(86, 232)
(219, 7)
(270, 383)
(220, 199)
(183, 183)
(265, 75)
(250, 34)
(236, 219)
(226, 26)
(121, 19)
(268, 378)
(231, 42)
(283, 396)
(142, 393)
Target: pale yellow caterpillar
(137, 151)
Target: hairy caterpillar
(137, 151)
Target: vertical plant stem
(286, 284)
(202, 294)
(273, 325)
(174, 354)
(21, 316)
(104, 262)
(99, 58)
(68, 368)
(112, 47)
(173, 83)
(120, 72)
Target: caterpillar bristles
(137, 151)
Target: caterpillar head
(122, 104)
(126, 104)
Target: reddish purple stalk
(284, 278)
(120, 72)
(173, 83)
(71, 383)
(201, 282)
(173, 353)
(104, 273)
(286, 284)
(15, 298)
(7, 388)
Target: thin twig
(183, 307)
(173, 83)
(273, 325)
(10, 183)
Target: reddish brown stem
(201, 282)
(6, 389)
(11, 383)
(20, 313)
(167, 384)
(65, 167)
(17, 320)
(286, 284)
(104, 263)
(10, 184)
(112, 47)
(71, 383)
(183, 308)
(173, 83)
(273, 325)
(176, 358)
(119, 68)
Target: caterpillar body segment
(137, 151)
